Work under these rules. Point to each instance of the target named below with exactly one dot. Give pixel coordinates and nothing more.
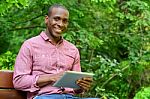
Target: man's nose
(60, 23)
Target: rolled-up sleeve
(23, 79)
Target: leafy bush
(144, 93)
(7, 60)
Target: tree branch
(114, 75)
(28, 27)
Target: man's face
(57, 22)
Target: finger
(88, 79)
(84, 86)
(85, 82)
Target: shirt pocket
(69, 60)
(42, 60)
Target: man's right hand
(48, 78)
(55, 77)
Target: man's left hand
(85, 83)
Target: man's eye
(65, 21)
(57, 18)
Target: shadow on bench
(7, 90)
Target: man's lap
(59, 96)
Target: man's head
(56, 6)
(57, 20)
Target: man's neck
(55, 40)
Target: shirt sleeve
(22, 77)
(76, 65)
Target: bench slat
(7, 90)
(6, 78)
(12, 94)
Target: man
(43, 59)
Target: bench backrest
(7, 90)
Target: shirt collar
(46, 38)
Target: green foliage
(7, 60)
(6, 5)
(143, 94)
(105, 70)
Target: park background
(113, 37)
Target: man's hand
(57, 76)
(48, 78)
(85, 83)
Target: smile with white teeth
(58, 29)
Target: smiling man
(43, 59)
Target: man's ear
(46, 19)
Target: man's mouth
(58, 30)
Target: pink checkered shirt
(39, 56)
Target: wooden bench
(7, 90)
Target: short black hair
(55, 6)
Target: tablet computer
(69, 78)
